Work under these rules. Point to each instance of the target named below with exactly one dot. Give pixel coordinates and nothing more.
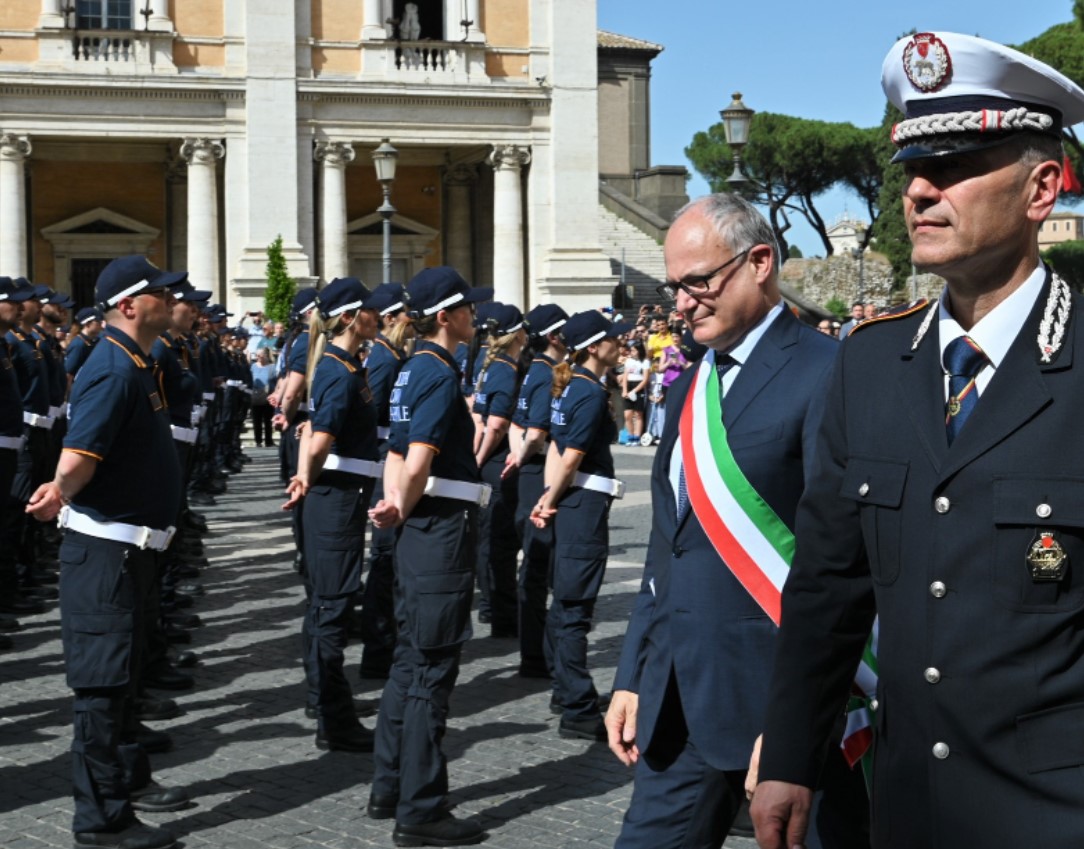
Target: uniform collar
(996, 330)
(580, 371)
(438, 351)
(119, 337)
(341, 354)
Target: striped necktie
(964, 359)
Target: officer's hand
(279, 423)
(218, 382)
(780, 814)
(46, 502)
(754, 768)
(511, 463)
(385, 514)
(621, 726)
(296, 489)
(273, 399)
(542, 516)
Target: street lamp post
(736, 120)
(384, 159)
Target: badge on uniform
(1047, 560)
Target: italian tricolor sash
(750, 538)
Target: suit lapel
(922, 394)
(765, 361)
(675, 402)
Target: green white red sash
(751, 539)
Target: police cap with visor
(587, 328)
(128, 276)
(442, 288)
(544, 319)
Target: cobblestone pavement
(244, 748)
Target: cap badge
(926, 62)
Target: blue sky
(796, 57)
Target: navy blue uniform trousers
(535, 569)
(377, 599)
(434, 559)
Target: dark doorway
(84, 275)
(430, 18)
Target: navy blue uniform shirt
(427, 406)
(475, 368)
(11, 400)
(580, 419)
(533, 405)
(180, 385)
(29, 362)
(53, 357)
(343, 405)
(297, 357)
(78, 351)
(119, 418)
(462, 359)
(498, 388)
(383, 367)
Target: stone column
(159, 20)
(202, 156)
(372, 22)
(474, 33)
(507, 161)
(335, 156)
(51, 16)
(13, 153)
(458, 239)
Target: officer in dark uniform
(90, 321)
(527, 461)
(944, 496)
(495, 402)
(338, 466)
(378, 608)
(579, 488)
(118, 481)
(11, 442)
(432, 490)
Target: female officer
(495, 401)
(337, 468)
(432, 490)
(528, 437)
(378, 610)
(579, 487)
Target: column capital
(461, 174)
(508, 157)
(15, 147)
(334, 154)
(201, 151)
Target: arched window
(104, 14)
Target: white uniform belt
(365, 468)
(16, 443)
(208, 396)
(383, 432)
(245, 389)
(476, 493)
(197, 415)
(34, 420)
(235, 383)
(116, 531)
(610, 486)
(60, 412)
(64, 410)
(184, 434)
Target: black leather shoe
(189, 588)
(195, 521)
(9, 624)
(380, 807)
(168, 679)
(6, 643)
(186, 569)
(447, 831)
(360, 709)
(155, 798)
(203, 499)
(174, 635)
(153, 742)
(21, 605)
(186, 660)
(44, 576)
(155, 710)
(359, 739)
(181, 601)
(583, 729)
(135, 836)
(42, 593)
(504, 632)
(183, 620)
(603, 704)
(531, 671)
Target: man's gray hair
(738, 223)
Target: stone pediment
(99, 221)
(373, 225)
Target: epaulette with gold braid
(893, 314)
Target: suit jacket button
(678, 551)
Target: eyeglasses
(696, 285)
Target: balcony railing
(106, 51)
(104, 46)
(435, 61)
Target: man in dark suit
(691, 685)
(947, 491)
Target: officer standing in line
(378, 607)
(579, 488)
(495, 402)
(90, 321)
(118, 481)
(432, 490)
(339, 463)
(529, 437)
(291, 405)
(11, 442)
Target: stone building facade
(196, 131)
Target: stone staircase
(644, 266)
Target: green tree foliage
(280, 285)
(794, 252)
(791, 162)
(1067, 259)
(891, 228)
(837, 307)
